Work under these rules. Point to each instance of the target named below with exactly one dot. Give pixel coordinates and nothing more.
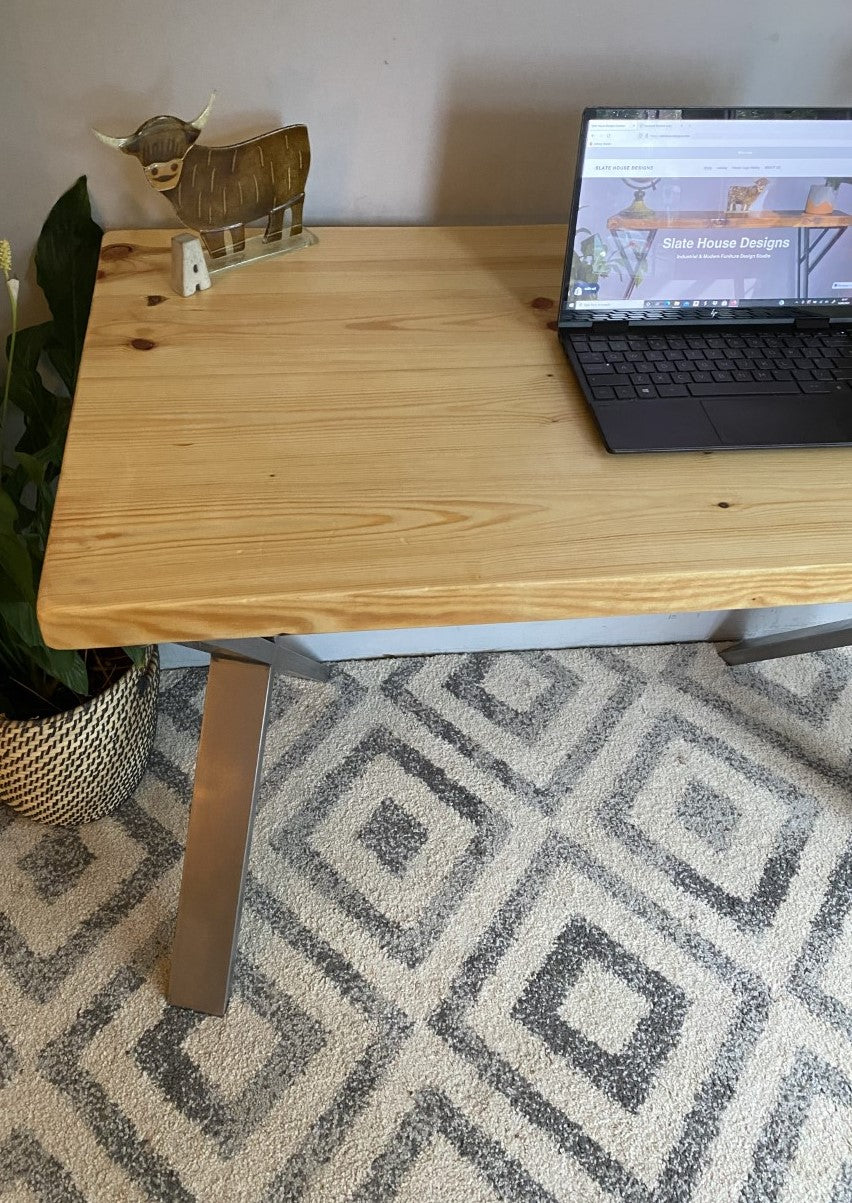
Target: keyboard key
(673, 390)
(681, 365)
(781, 374)
(740, 375)
(624, 392)
(602, 394)
(763, 375)
(661, 378)
(721, 376)
(646, 391)
(702, 377)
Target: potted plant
(76, 728)
(822, 198)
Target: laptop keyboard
(645, 365)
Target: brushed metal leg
(789, 643)
(270, 651)
(230, 753)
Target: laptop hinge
(811, 323)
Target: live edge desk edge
(405, 446)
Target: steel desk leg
(789, 643)
(227, 772)
(230, 752)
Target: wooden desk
(380, 431)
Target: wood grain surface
(382, 431)
(713, 219)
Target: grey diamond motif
(56, 863)
(393, 836)
(160, 1053)
(782, 863)
(627, 1076)
(8, 1060)
(710, 816)
(467, 683)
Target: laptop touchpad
(776, 421)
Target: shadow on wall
(509, 141)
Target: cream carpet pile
(534, 926)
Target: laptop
(707, 294)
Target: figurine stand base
(193, 269)
(257, 248)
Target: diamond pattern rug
(567, 926)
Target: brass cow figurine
(215, 189)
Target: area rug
(541, 926)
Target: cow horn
(117, 143)
(201, 120)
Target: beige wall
(417, 111)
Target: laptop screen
(679, 212)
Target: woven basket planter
(77, 766)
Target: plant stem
(13, 306)
(42, 697)
(9, 369)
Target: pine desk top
(716, 223)
(381, 431)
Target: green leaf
(67, 667)
(66, 266)
(23, 649)
(27, 391)
(29, 345)
(20, 616)
(14, 558)
(33, 466)
(139, 655)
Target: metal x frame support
(807, 259)
(789, 643)
(227, 773)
